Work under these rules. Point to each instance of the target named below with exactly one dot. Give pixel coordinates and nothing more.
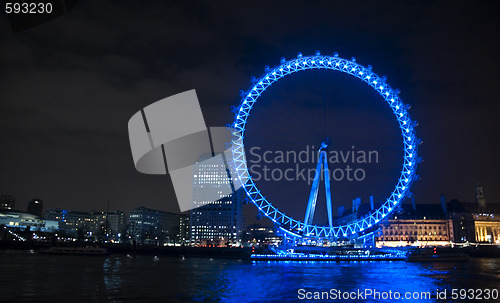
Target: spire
(480, 199)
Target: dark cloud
(68, 87)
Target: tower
(217, 217)
(35, 207)
(480, 199)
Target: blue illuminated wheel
(298, 228)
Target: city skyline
(65, 105)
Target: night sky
(69, 86)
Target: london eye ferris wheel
(305, 228)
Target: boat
(432, 255)
(334, 255)
(76, 250)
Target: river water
(31, 277)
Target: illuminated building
(261, 235)
(89, 223)
(97, 224)
(473, 223)
(7, 202)
(184, 228)
(69, 220)
(151, 226)
(217, 219)
(487, 226)
(416, 225)
(450, 222)
(116, 225)
(23, 220)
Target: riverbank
(127, 249)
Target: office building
(216, 219)
(35, 207)
(151, 226)
(70, 221)
(416, 225)
(475, 222)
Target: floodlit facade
(70, 220)
(416, 225)
(23, 220)
(432, 224)
(475, 222)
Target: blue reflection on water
(278, 281)
(118, 278)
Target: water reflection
(275, 281)
(33, 277)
